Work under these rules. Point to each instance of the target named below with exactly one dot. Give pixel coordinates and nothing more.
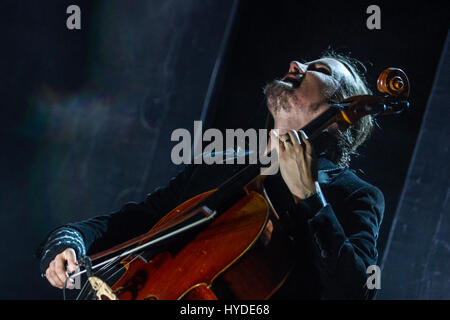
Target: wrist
(304, 192)
(313, 203)
(302, 197)
(59, 240)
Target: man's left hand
(298, 164)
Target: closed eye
(319, 68)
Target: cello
(236, 247)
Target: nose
(297, 67)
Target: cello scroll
(394, 83)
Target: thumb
(275, 141)
(71, 257)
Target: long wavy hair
(342, 147)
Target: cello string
(82, 290)
(106, 262)
(102, 272)
(64, 288)
(122, 267)
(107, 267)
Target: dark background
(87, 114)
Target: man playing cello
(335, 215)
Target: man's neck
(292, 120)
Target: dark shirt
(335, 243)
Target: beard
(279, 96)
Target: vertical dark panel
(416, 264)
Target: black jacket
(335, 243)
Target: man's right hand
(56, 272)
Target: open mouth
(291, 80)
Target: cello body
(233, 258)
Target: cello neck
(251, 171)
